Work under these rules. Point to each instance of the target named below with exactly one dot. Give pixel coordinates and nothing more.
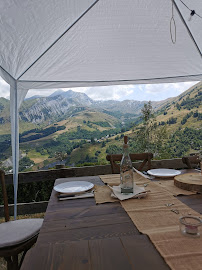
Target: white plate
(163, 172)
(73, 187)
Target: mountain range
(60, 105)
(71, 122)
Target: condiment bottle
(126, 170)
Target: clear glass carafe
(126, 170)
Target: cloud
(158, 88)
(184, 86)
(157, 92)
(40, 92)
(137, 92)
(4, 89)
(115, 92)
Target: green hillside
(42, 144)
(178, 123)
(87, 135)
(183, 111)
(4, 116)
(5, 125)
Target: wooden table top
(78, 234)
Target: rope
(172, 21)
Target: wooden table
(78, 234)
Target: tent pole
(14, 140)
(16, 98)
(16, 158)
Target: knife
(75, 196)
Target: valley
(82, 131)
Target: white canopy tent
(74, 43)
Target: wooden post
(5, 198)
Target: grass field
(36, 156)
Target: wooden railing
(52, 175)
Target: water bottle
(126, 170)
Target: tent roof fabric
(70, 43)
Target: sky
(141, 92)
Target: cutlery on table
(76, 196)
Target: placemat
(103, 195)
(155, 217)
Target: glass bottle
(126, 170)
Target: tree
(114, 149)
(145, 132)
(60, 156)
(147, 112)
(150, 137)
(25, 163)
(103, 144)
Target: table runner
(114, 179)
(153, 217)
